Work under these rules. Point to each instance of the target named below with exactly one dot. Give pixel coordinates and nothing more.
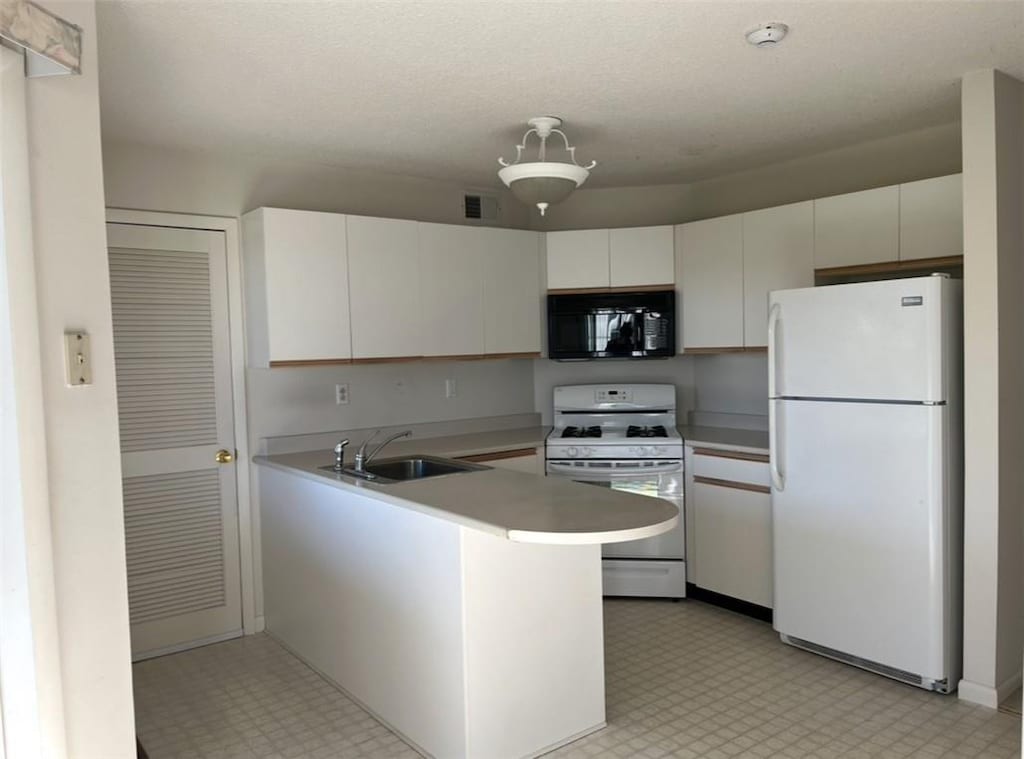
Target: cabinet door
(733, 540)
(451, 290)
(641, 256)
(778, 254)
(932, 218)
(578, 258)
(512, 291)
(857, 228)
(709, 276)
(297, 286)
(384, 286)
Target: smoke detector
(767, 35)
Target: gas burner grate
(593, 431)
(657, 430)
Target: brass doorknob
(224, 456)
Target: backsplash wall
(729, 383)
(301, 400)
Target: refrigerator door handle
(778, 482)
(773, 321)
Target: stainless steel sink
(387, 471)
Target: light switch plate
(451, 389)
(77, 358)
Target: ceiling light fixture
(543, 182)
(767, 35)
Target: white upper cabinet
(296, 267)
(578, 258)
(511, 290)
(778, 254)
(451, 291)
(641, 256)
(857, 228)
(932, 218)
(709, 268)
(384, 285)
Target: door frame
(229, 226)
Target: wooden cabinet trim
(399, 359)
(516, 453)
(739, 455)
(630, 289)
(733, 484)
(527, 354)
(727, 349)
(312, 362)
(886, 267)
(387, 360)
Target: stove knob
(573, 452)
(641, 451)
(588, 451)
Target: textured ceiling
(656, 92)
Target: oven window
(639, 487)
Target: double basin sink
(388, 471)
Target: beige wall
(993, 142)
(914, 155)
(83, 455)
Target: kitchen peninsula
(462, 610)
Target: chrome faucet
(339, 455)
(363, 458)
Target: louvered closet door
(171, 346)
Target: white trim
(986, 695)
(31, 681)
(229, 226)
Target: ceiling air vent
(481, 207)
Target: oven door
(656, 479)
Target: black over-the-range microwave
(612, 325)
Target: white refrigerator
(865, 425)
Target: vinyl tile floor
(683, 680)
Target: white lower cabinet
(731, 511)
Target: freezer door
(860, 532)
(871, 340)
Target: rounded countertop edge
(380, 493)
(591, 538)
(697, 443)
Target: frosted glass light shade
(543, 183)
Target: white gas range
(624, 437)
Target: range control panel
(613, 395)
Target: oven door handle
(602, 474)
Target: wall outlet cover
(341, 394)
(451, 389)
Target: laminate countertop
(724, 438)
(522, 507)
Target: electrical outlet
(341, 394)
(451, 390)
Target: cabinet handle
(737, 455)
(733, 484)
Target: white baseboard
(986, 695)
